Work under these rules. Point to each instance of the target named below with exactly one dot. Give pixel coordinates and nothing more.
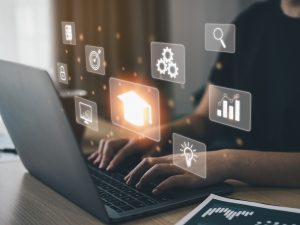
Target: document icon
(68, 33)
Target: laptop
(42, 134)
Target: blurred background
(31, 34)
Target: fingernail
(128, 181)
(138, 185)
(155, 191)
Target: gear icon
(173, 70)
(162, 66)
(168, 54)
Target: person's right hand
(111, 152)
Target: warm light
(136, 110)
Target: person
(266, 64)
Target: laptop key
(127, 199)
(120, 195)
(126, 208)
(137, 195)
(147, 201)
(136, 204)
(115, 208)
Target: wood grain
(26, 201)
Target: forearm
(264, 168)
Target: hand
(150, 168)
(111, 152)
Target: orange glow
(136, 110)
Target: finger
(100, 149)
(92, 156)
(172, 182)
(156, 151)
(141, 168)
(96, 153)
(163, 169)
(109, 150)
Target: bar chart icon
(230, 107)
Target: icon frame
(211, 117)
(224, 36)
(92, 125)
(203, 158)
(89, 49)
(65, 66)
(157, 134)
(73, 30)
(154, 72)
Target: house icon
(136, 110)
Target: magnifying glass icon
(218, 35)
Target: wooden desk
(24, 200)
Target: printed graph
(228, 213)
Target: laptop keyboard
(118, 195)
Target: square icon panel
(168, 62)
(189, 155)
(94, 59)
(220, 37)
(230, 107)
(86, 113)
(62, 73)
(135, 107)
(68, 33)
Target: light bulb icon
(188, 152)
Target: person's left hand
(153, 167)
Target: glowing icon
(85, 112)
(165, 65)
(62, 73)
(218, 35)
(168, 62)
(68, 32)
(189, 155)
(230, 107)
(136, 109)
(188, 152)
(95, 59)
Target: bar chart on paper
(229, 107)
(228, 213)
(216, 210)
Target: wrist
(228, 158)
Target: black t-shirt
(266, 64)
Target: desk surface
(24, 200)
